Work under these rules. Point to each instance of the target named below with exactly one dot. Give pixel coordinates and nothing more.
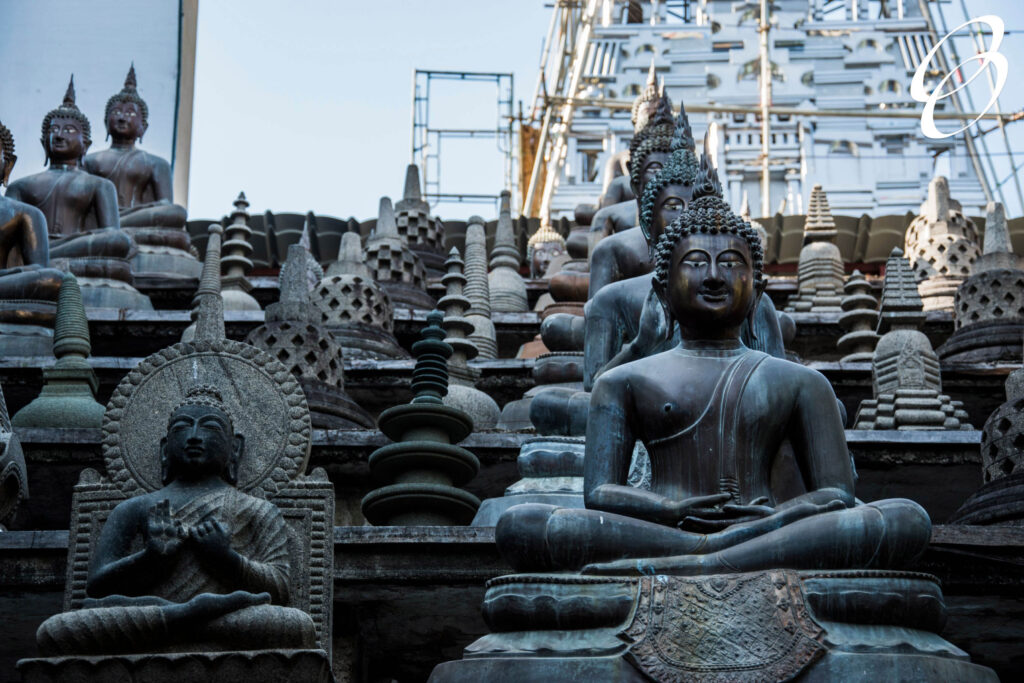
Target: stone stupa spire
(422, 232)
(507, 289)
(819, 226)
(208, 304)
(478, 290)
(236, 261)
(68, 397)
(394, 264)
(820, 268)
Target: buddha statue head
(652, 103)
(201, 441)
(7, 156)
(66, 133)
(544, 246)
(650, 155)
(668, 192)
(126, 115)
(708, 264)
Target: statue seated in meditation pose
(143, 180)
(28, 291)
(712, 414)
(80, 208)
(197, 565)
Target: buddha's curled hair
(68, 109)
(708, 213)
(681, 169)
(129, 93)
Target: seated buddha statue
(712, 414)
(23, 239)
(80, 208)
(625, 320)
(193, 566)
(143, 180)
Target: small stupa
(422, 470)
(293, 334)
(859, 319)
(394, 265)
(507, 289)
(905, 373)
(236, 262)
(424, 233)
(462, 391)
(820, 269)
(988, 311)
(942, 245)
(478, 291)
(355, 308)
(68, 396)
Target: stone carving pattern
(395, 265)
(990, 295)
(1002, 441)
(727, 626)
(308, 351)
(350, 299)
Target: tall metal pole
(766, 97)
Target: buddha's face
(671, 201)
(125, 121)
(199, 443)
(653, 164)
(543, 254)
(65, 140)
(710, 284)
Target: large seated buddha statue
(28, 286)
(145, 191)
(708, 575)
(81, 212)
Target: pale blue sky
(307, 105)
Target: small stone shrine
(1000, 500)
(236, 260)
(858, 320)
(423, 469)
(207, 550)
(394, 264)
(145, 190)
(13, 474)
(942, 245)
(478, 293)
(68, 397)
(85, 235)
(988, 311)
(423, 232)
(905, 373)
(355, 308)
(294, 335)
(28, 286)
(507, 289)
(820, 269)
(707, 576)
(462, 391)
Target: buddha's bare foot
(648, 566)
(207, 606)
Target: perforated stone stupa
(355, 308)
(905, 373)
(394, 265)
(989, 306)
(423, 232)
(293, 334)
(942, 245)
(820, 269)
(462, 392)
(507, 289)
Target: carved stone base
(101, 292)
(255, 666)
(25, 340)
(366, 342)
(164, 252)
(404, 295)
(773, 625)
(984, 342)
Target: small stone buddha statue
(81, 212)
(29, 289)
(143, 180)
(712, 414)
(544, 248)
(197, 562)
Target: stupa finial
(208, 306)
(430, 375)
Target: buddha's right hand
(164, 534)
(698, 506)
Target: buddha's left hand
(727, 515)
(212, 539)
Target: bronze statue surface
(712, 414)
(145, 193)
